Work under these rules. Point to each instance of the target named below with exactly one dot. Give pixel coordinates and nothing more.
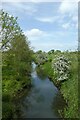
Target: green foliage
(69, 88)
(8, 110)
(41, 72)
(51, 52)
(17, 60)
(41, 57)
(9, 28)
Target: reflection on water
(40, 101)
(41, 73)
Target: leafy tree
(58, 51)
(21, 55)
(17, 58)
(9, 28)
(39, 52)
(50, 52)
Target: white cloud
(37, 34)
(75, 18)
(75, 21)
(35, 1)
(77, 25)
(57, 46)
(51, 40)
(15, 1)
(47, 19)
(47, 46)
(70, 10)
(66, 25)
(33, 33)
(29, 9)
(68, 7)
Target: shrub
(61, 68)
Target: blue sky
(48, 25)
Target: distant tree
(58, 51)
(41, 57)
(39, 52)
(52, 51)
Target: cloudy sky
(48, 25)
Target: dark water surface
(43, 100)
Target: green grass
(69, 88)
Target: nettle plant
(61, 68)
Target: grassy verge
(69, 88)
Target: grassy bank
(12, 92)
(68, 88)
(16, 72)
(16, 79)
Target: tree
(17, 58)
(9, 28)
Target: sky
(48, 25)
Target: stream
(43, 100)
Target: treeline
(16, 59)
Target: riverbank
(12, 92)
(69, 88)
(16, 63)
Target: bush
(61, 68)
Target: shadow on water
(43, 100)
(59, 104)
(41, 73)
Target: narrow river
(43, 100)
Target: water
(42, 100)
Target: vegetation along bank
(16, 68)
(62, 69)
(17, 57)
